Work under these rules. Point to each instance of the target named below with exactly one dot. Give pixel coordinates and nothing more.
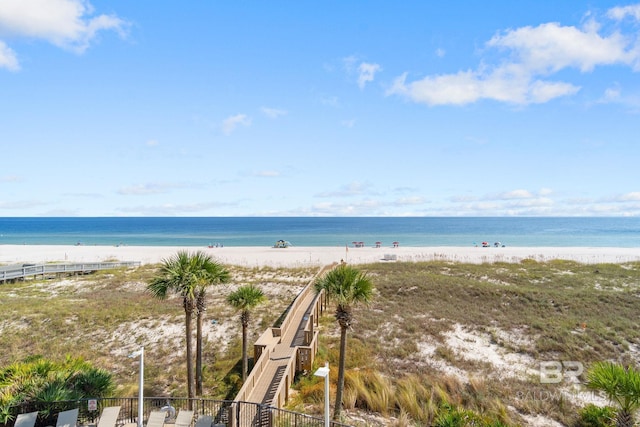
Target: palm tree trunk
(199, 353)
(624, 419)
(245, 361)
(189, 330)
(341, 366)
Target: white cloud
(8, 58)
(20, 204)
(515, 194)
(64, 23)
(231, 123)
(273, 113)
(10, 178)
(410, 201)
(552, 47)
(620, 12)
(630, 197)
(267, 174)
(330, 101)
(467, 87)
(352, 189)
(440, 53)
(350, 62)
(366, 73)
(522, 78)
(149, 188)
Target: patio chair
(184, 418)
(156, 419)
(67, 418)
(26, 420)
(109, 416)
(204, 421)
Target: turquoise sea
(325, 231)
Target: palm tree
(245, 299)
(349, 287)
(185, 274)
(621, 385)
(216, 274)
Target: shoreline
(299, 256)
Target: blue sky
(334, 108)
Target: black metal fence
(246, 414)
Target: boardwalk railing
(17, 272)
(302, 357)
(248, 413)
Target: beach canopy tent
(282, 244)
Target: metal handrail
(246, 413)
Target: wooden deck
(21, 272)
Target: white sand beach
(318, 255)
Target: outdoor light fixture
(141, 385)
(324, 372)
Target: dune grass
(402, 364)
(553, 311)
(104, 316)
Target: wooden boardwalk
(283, 354)
(279, 354)
(21, 272)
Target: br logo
(553, 372)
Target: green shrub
(596, 416)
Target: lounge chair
(184, 418)
(204, 421)
(26, 420)
(67, 418)
(109, 416)
(156, 419)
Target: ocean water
(311, 231)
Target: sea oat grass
(104, 316)
(540, 311)
(559, 310)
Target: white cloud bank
(64, 23)
(535, 54)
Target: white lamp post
(324, 372)
(141, 385)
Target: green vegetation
(104, 316)
(410, 354)
(597, 416)
(48, 382)
(189, 275)
(621, 385)
(421, 325)
(245, 299)
(348, 287)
